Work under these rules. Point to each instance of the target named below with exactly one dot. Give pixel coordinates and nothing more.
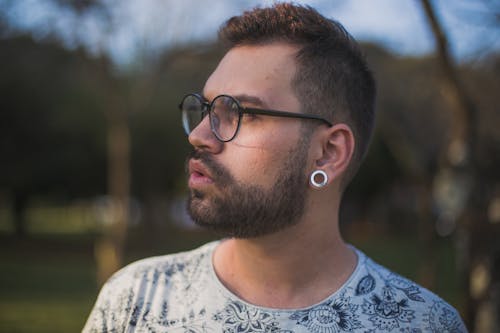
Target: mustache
(219, 173)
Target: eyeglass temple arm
(285, 114)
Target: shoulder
(125, 293)
(390, 300)
(166, 266)
(383, 278)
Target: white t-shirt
(181, 293)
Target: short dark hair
(332, 77)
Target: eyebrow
(254, 100)
(243, 98)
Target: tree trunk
(110, 248)
(19, 214)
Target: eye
(250, 116)
(234, 107)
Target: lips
(198, 174)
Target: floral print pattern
(442, 318)
(338, 315)
(237, 317)
(386, 313)
(365, 285)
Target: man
(279, 130)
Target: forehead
(263, 71)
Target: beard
(246, 210)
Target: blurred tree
(52, 124)
(413, 130)
(146, 117)
(462, 194)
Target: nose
(202, 137)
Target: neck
(293, 268)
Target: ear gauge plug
(318, 179)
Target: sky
(139, 27)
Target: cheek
(258, 155)
(255, 166)
(258, 166)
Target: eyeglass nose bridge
(205, 109)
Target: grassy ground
(47, 282)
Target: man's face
(255, 184)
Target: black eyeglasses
(225, 114)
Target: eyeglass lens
(192, 112)
(224, 115)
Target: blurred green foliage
(52, 127)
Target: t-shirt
(181, 293)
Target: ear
(337, 148)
